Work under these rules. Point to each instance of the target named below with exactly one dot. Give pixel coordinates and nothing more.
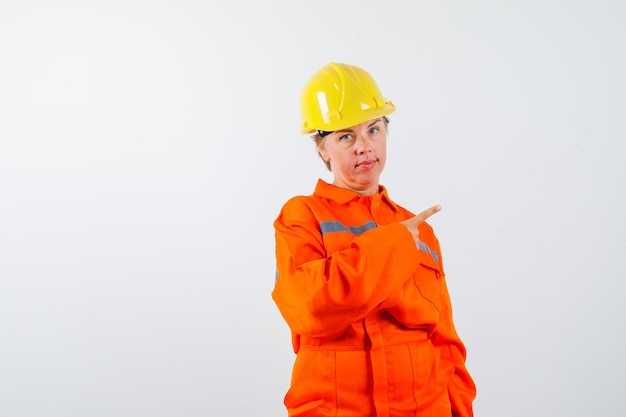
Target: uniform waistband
(362, 342)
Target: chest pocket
(426, 276)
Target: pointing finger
(427, 213)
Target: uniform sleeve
(320, 294)
(461, 388)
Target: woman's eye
(345, 137)
(373, 131)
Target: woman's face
(357, 155)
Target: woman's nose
(361, 144)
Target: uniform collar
(343, 195)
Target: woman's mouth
(366, 164)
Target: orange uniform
(369, 312)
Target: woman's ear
(323, 153)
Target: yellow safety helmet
(339, 96)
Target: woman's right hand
(412, 223)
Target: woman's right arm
(320, 294)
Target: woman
(360, 280)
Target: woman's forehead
(366, 124)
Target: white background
(146, 148)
